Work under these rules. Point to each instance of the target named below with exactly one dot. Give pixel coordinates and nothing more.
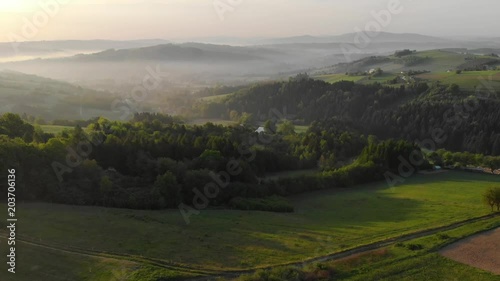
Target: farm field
(441, 64)
(467, 80)
(222, 239)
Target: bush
(356, 173)
(275, 274)
(268, 204)
(443, 236)
(414, 247)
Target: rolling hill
(474, 68)
(51, 99)
(202, 64)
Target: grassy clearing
(54, 129)
(216, 98)
(382, 79)
(224, 239)
(214, 121)
(333, 78)
(301, 129)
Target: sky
(27, 20)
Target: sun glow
(10, 5)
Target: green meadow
(324, 222)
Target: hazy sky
(182, 19)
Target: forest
(464, 120)
(155, 161)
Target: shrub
(492, 198)
(414, 247)
(269, 204)
(443, 236)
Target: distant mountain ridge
(177, 52)
(349, 38)
(199, 62)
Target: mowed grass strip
(230, 239)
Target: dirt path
(138, 259)
(481, 251)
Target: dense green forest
(464, 121)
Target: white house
(260, 130)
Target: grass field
(45, 264)
(216, 98)
(227, 239)
(54, 129)
(301, 129)
(333, 78)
